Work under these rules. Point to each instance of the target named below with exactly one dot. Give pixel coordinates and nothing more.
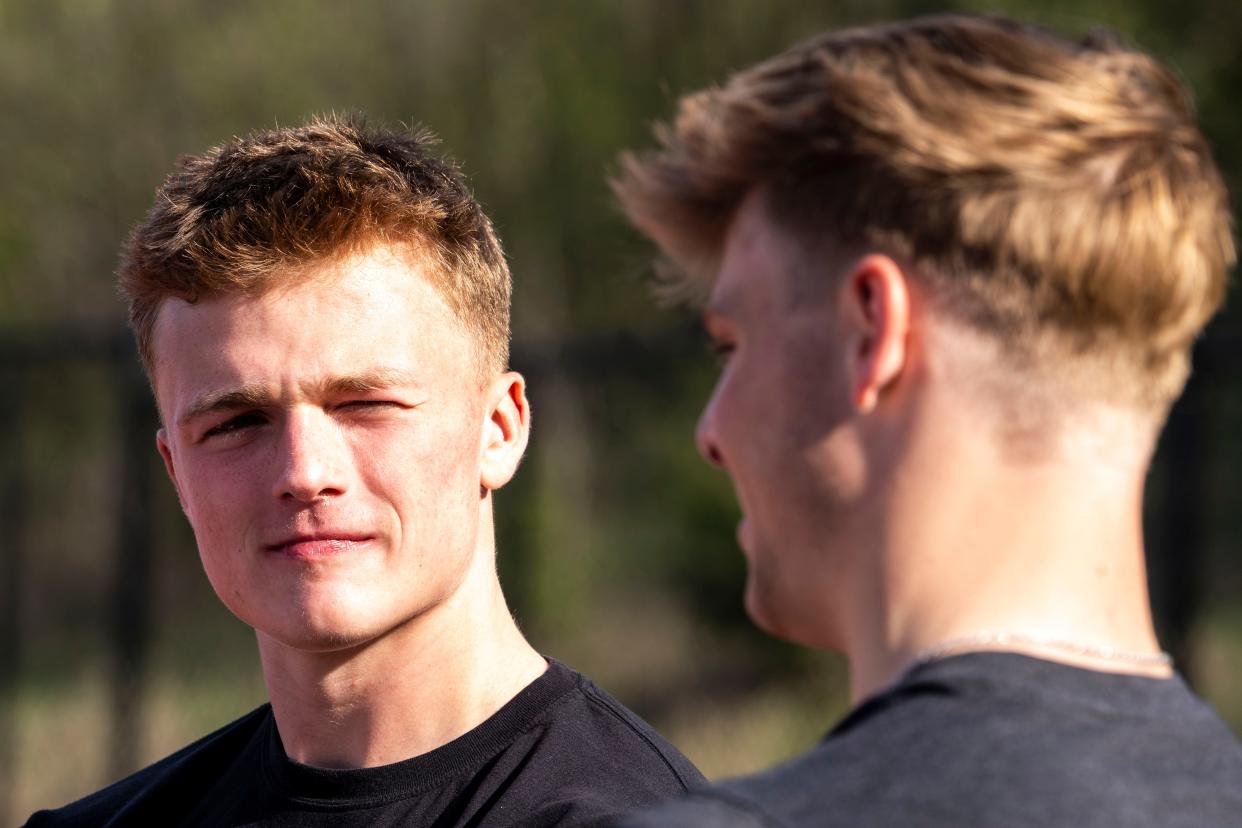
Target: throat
(395, 698)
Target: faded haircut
(259, 211)
(1058, 196)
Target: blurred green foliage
(616, 542)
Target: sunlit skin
(884, 509)
(775, 424)
(334, 443)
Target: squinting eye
(233, 424)
(369, 404)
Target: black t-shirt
(998, 740)
(561, 752)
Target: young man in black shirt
(324, 316)
(954, 267)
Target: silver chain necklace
(1008, 640)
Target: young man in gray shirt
(954, 268)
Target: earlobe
(877, 302)
(505, 430)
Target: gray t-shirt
(997, 739)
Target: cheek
(209, 490)
(431, 491)
(750, 410)
(809, 395)
(423, 466)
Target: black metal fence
(1179, 522)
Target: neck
(1005, 555)
(415, 688)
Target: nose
(705, 434)
(313, 462)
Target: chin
(775, 612)
(319, 626)
(762, 607)
(324, 636)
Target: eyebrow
(248, 396)
(260, 396)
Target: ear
(876, 306)
(505, 431)
(165, 450)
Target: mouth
(318, 545)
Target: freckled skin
(392, 473)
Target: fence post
(133, 581)
(12, 519)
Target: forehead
(372, 311)
(762, 266)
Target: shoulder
(815, 788)
(169, 777)
(998, 741)
(622, 729)
(584, 757)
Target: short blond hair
(1046, 191)
(257, 211)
